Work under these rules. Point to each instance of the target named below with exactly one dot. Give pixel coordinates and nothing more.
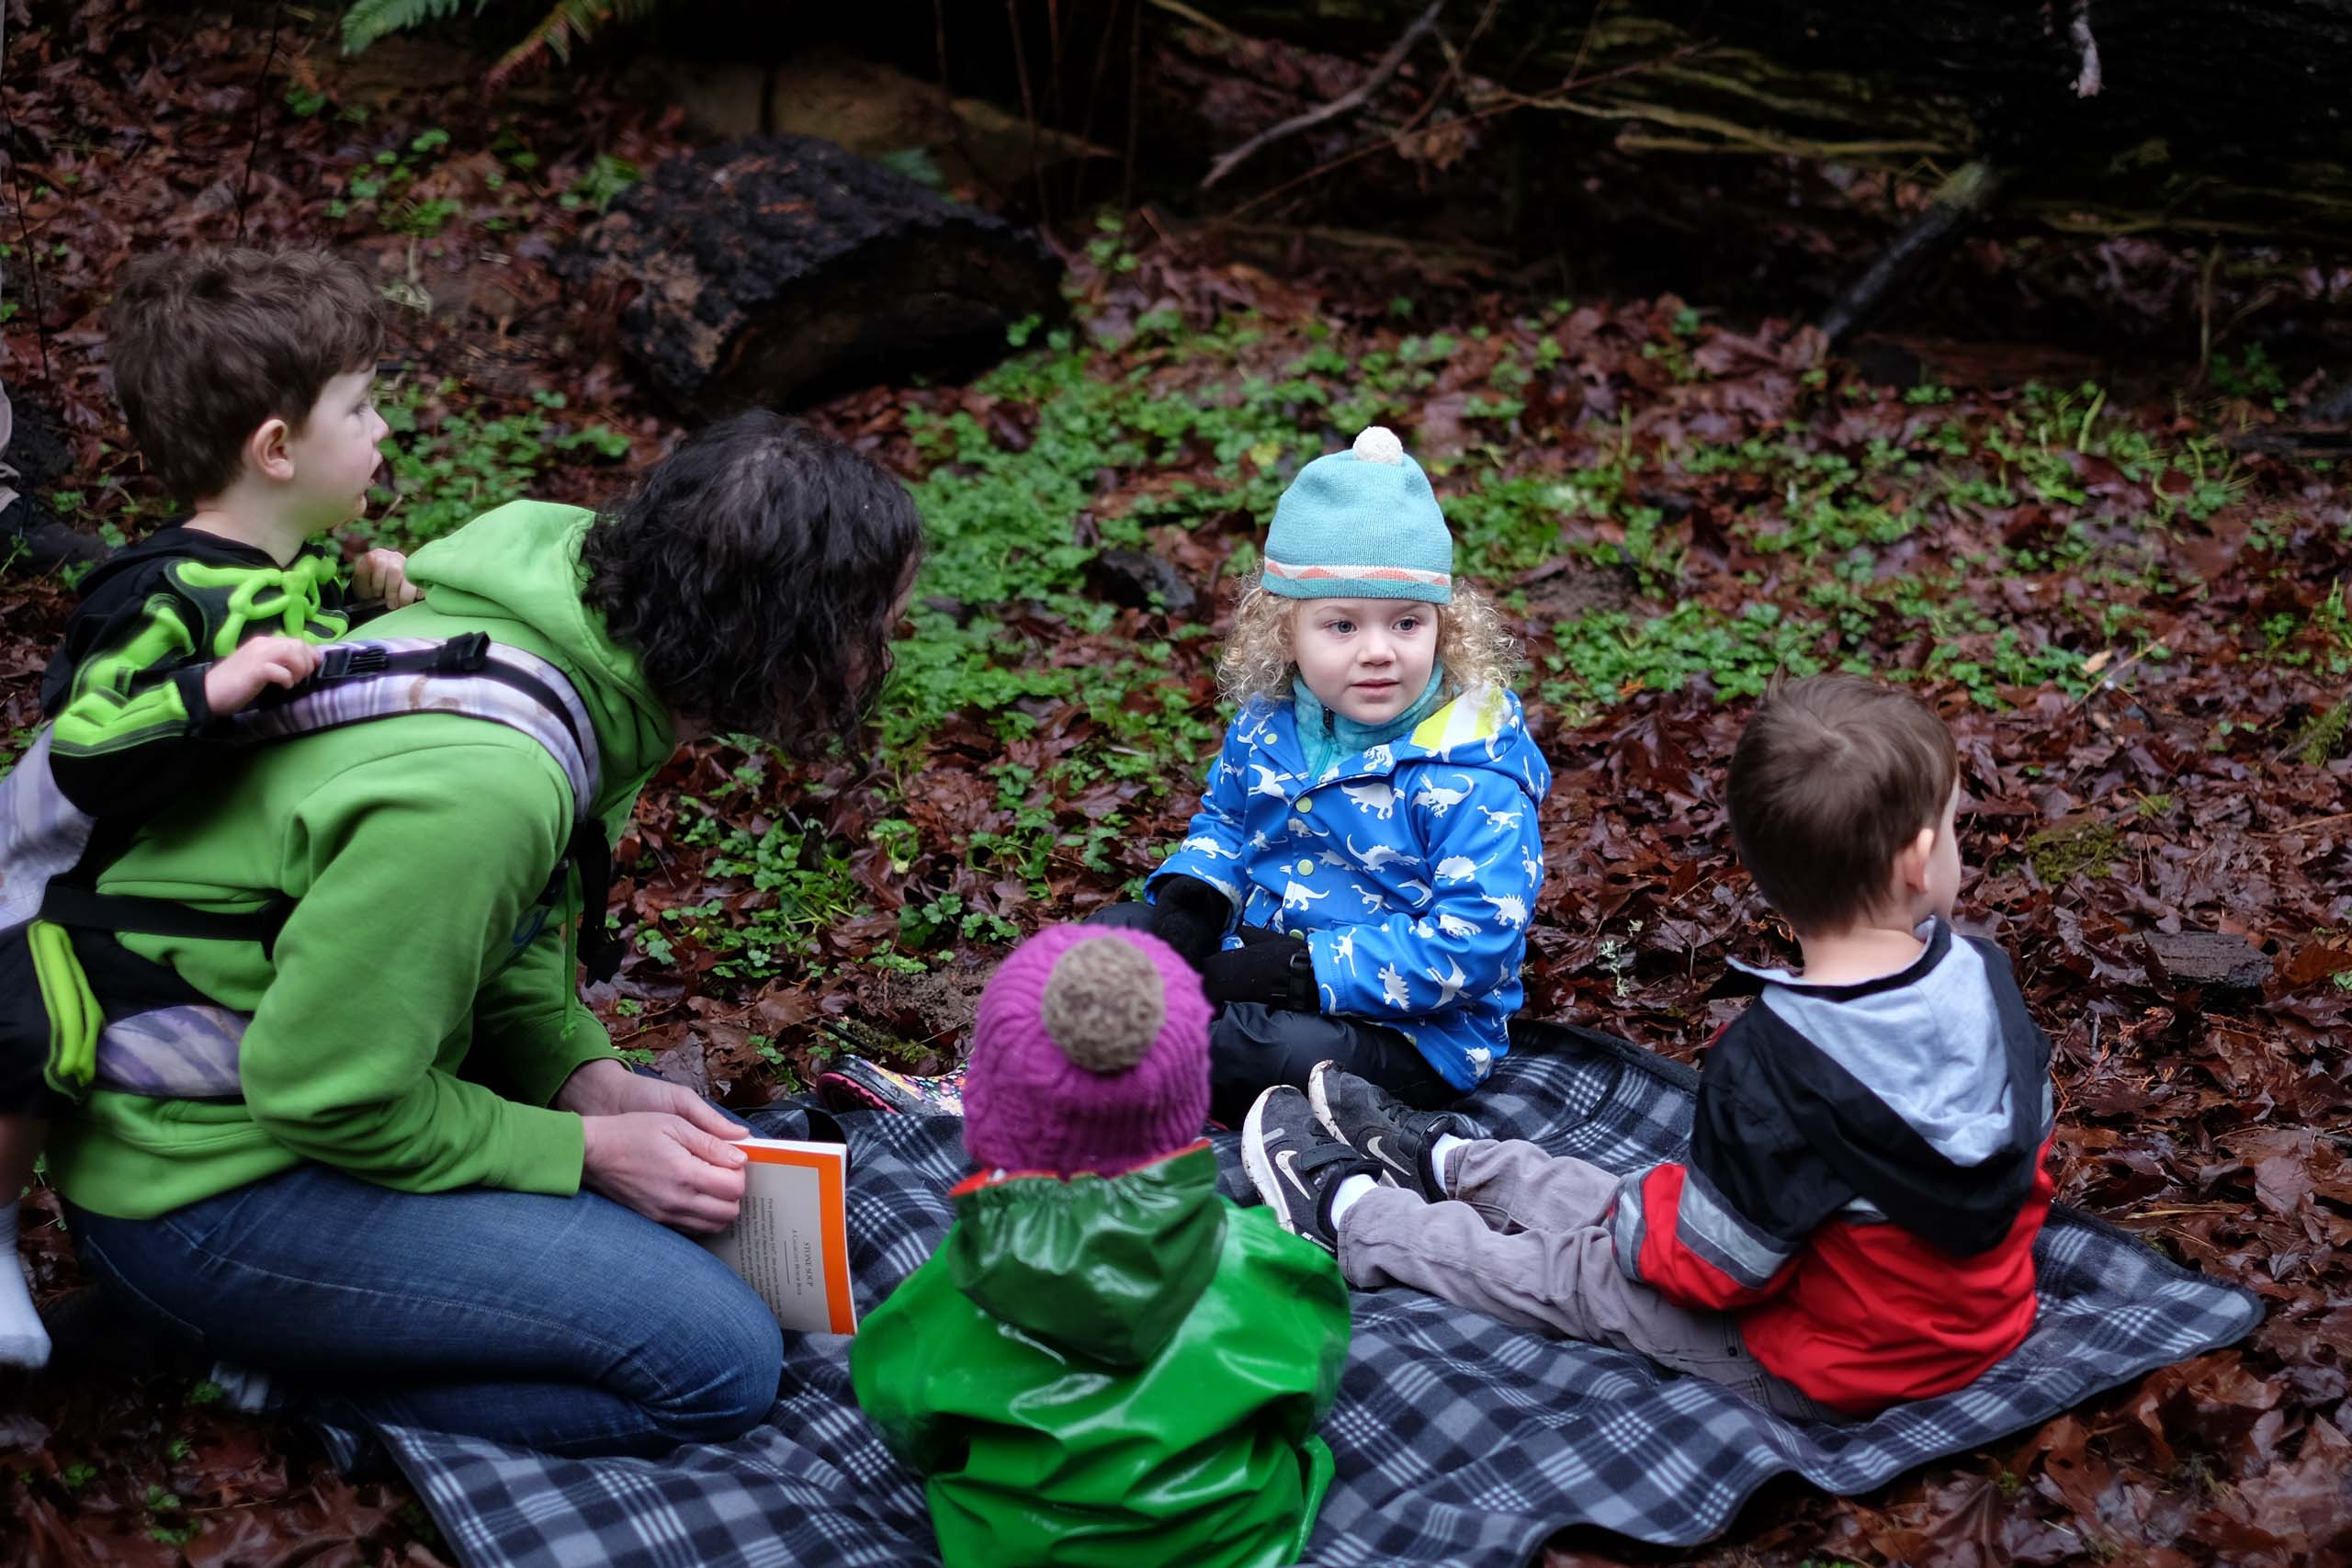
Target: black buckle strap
(66, 903)
(468, 654)
(340, 661)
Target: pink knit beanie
(1091, 1054)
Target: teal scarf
(1325, 737)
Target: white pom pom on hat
(1362, 523)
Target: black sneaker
(1383, 1129)
(1295, 1167)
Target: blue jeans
(569, 1325)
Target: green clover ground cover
(1991, 547)
(1656, 504)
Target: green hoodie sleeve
(529, 1024)
(410, 897)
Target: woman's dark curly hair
(755, 571)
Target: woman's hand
(663, 1167)
(605, 1087)
(655, 1147)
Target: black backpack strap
(67, 904)
(465, 655)
(586, 851)
(73, 900)
(600, 950)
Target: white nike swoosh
(1282, 1162)
(1371, 1147)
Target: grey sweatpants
(1524, 1243)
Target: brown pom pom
(1102, 1005)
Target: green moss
(2323, 734)
(2085, 849)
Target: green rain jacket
(420, 1010)
(1115, 1371)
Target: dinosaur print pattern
(1437, 800)
(1376, 798)
(1410, 867)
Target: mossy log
(773, 267)
(2213, 116)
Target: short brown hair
(209, 345)
(1833, 775)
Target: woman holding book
(437, 1198)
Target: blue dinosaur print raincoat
(1411, 867)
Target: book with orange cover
(790, 1243)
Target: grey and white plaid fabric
(1458, 1440)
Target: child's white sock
(23, 1341)
(1353, 1188)
(244, 1388)
(1441, 1149)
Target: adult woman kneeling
(442, 1200)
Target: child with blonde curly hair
(1357, 883)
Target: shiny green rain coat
(1121, 1371)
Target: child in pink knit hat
(1106, 1362)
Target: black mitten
(1272, 968)
(1190, 916)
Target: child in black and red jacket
(1854, 1223)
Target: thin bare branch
(1389, 67)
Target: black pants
(1253, 1047)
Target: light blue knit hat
(1362, 523)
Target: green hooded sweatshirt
(420, 1010)
(1115, 1371)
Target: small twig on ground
(1389, 67)
(24, 231)
(2304, 826)
(1102, 47)
(1198, 18)
(1028, 105)
(1135, 104)
(2205, 310)
(261, 101)
(2109, 678)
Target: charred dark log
(775, 267)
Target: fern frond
(369, 21)
(2323, 732)
(567, 22)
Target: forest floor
(2129, 608)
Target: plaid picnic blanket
(1458, 1440)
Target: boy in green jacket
(1106, 1363)
(247, 379)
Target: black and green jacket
(126, 691)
